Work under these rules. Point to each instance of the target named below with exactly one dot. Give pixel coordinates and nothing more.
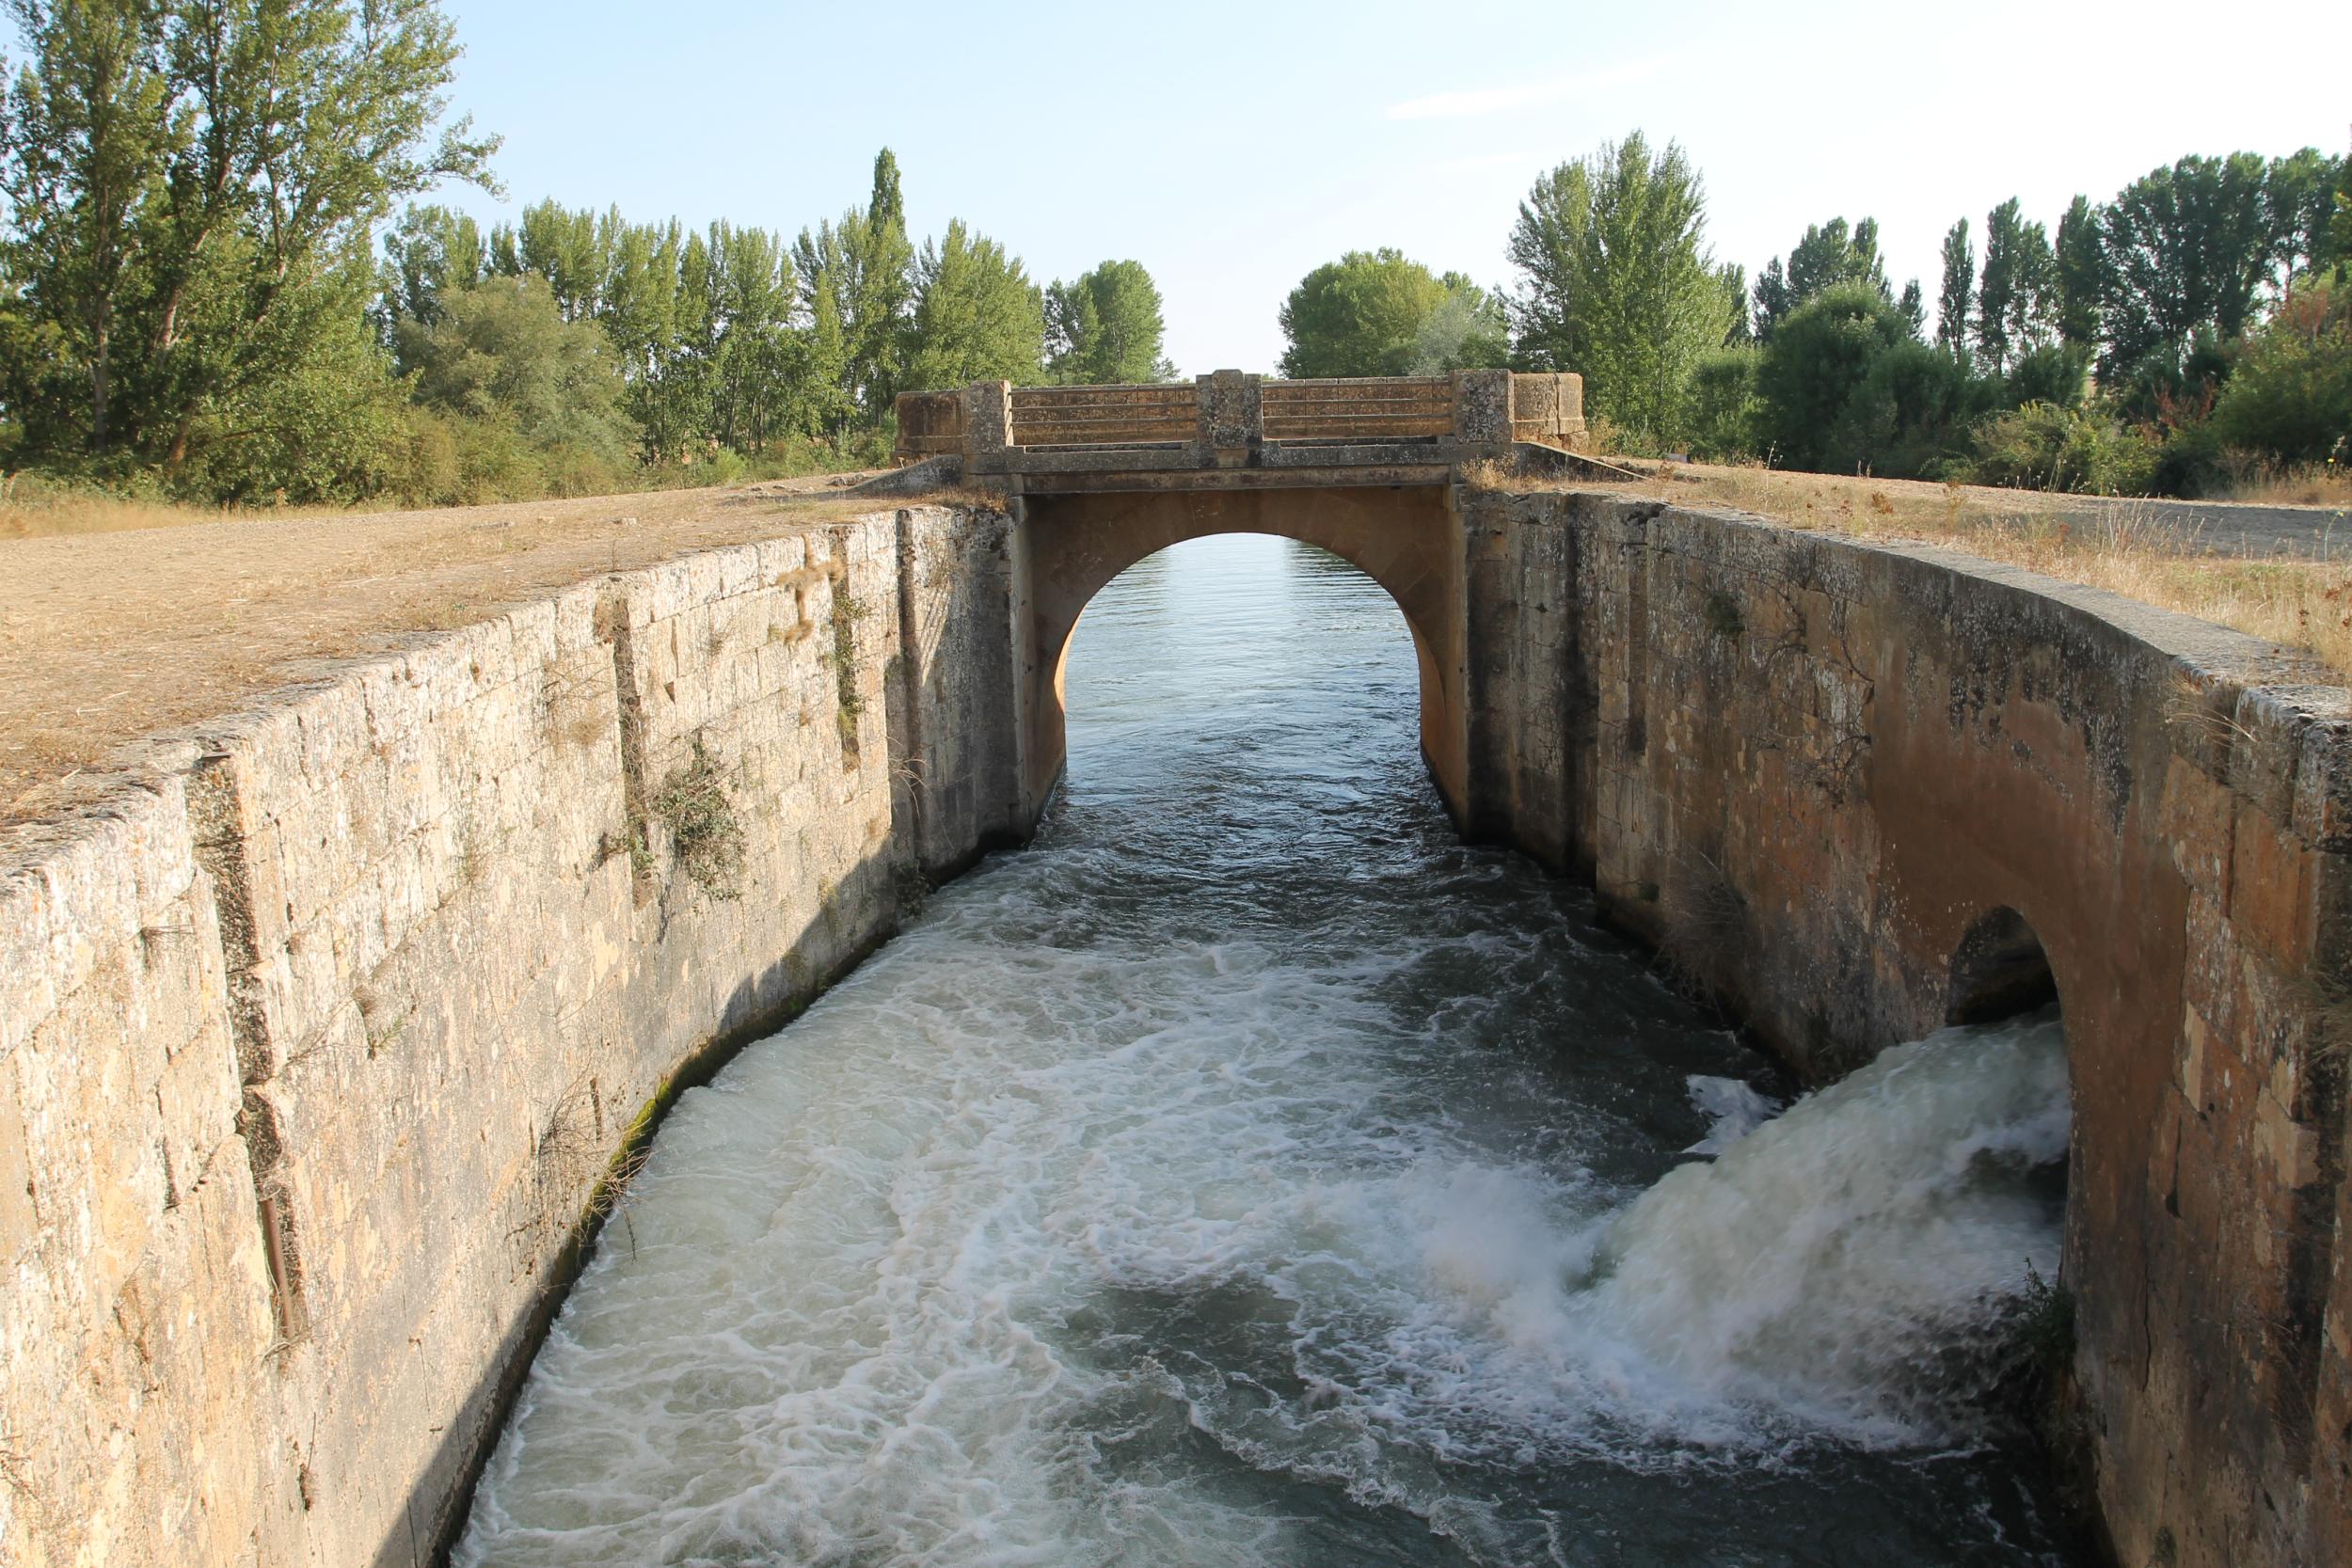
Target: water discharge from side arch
(1249, 1174)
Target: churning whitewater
(1246, 1173)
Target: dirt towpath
(106, 637)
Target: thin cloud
(1494, 101)
(1483, 161)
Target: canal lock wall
(323, 1039)
(1861, 791)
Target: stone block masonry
(319, 1046)
(1836, 782)
(316, 1049)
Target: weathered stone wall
(1810, 768)
(316, 1045)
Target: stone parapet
(1041, 438)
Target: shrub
(2290, 397)
(1910, 415)
(1820, 356)
(2046, 447)
(1724, 409)
(2058, 372)
(705, 832)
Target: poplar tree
(1826, 256)
(1620, 286)
(1913, 306)
(883, 261)
(1105, 326)
(977, 315)
(864, 263)
(432, 251)
(192, 188)
(2017, 295)
(2080, 265)
(2187, 250)
(1957, 298)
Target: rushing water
(1246, 1173)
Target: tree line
(218, 282)
(2193, 326)
(221, 280)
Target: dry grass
(2126, 549)
(2308, 484)
(28, 512)
(112, 630)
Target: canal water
(1246, 1173)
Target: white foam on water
(1086, 1225)
(1734, 1109)
(856, 1310)
(1830, 1262)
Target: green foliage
(1722, 615)
(2290, 398)
(2056, 373)
(1723, 409)
(1828, 255)
(1909, 416)
(2017, 291)
(1818, 359)
(2080, 268)
(1104, 327)
(188, 186)
(2188, 253)
(1735, 281)
(504, 351)
(1914, 304)
(1619, 285)
(2043, 446)
(2046, 1326)
(2340, 224)
(1467, 330)
(864, 268)
(190, 302)
(1359, 315)
(431, 252)
(977, 315)
(724, 350)
(1956, 301)
(309, 414)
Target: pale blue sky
(1231, 148)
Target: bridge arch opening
(1999, 971)
(1404, 537)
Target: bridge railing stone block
(1232, 417)
(988, 424)
(1549, 410)
(1482, 406)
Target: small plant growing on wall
(1723, 615)
(847, 613)
(705, 832)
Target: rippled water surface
(1247, 1173)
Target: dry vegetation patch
(2134, 549)
(119, 621)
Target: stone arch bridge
(322, 1037)
(1103, 477)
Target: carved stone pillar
(1232, 424)
(1482, 406)
(988, 425)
